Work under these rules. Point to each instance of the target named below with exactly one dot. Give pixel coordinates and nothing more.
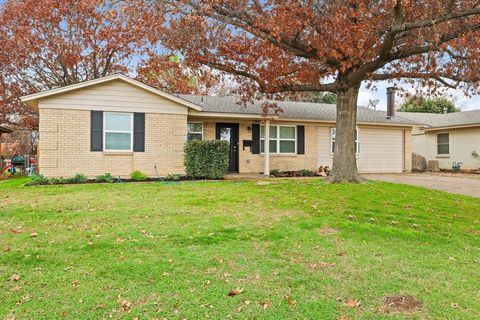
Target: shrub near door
(206, 159)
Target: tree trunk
(344, 159)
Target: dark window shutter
(139, 132)
(300, 139)
(96, 131)
(255, 138)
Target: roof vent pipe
(391, 102)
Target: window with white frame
(283, 139)
(443, 144)
(333, 133)
(194, 131)
(118, 131)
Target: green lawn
(175, 251)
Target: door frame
(236, 137)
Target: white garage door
(381, 150)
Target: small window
(195, 131)
(333, 133)
(118, 132)
(443, 143)
(283, 139)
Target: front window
(443, 143)
(333, 134)
(118, 132)
(282, 139)
(195, 131)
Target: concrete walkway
(460, 185)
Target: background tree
(429, 105)
(282, 46)
(314, 97)
(49, 43)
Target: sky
(380, 92)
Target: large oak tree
(280, 46)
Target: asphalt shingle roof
(434, 120)
(291, 109)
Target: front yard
(297, 249)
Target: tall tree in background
(49, 43)
(280, 46)
(419, 103)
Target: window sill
(282, 155)
(118, 153)
(442, 156)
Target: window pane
(287, 146)
(273, 146)
(118, 141)
(118, 121)
(287, 132)
(443, 149)
(442, 138)
(195, 127)
(273, 132)
(194, 136)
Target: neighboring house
(448, 138)
(116, 124)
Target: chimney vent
(391, 102)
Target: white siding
(462, 143)
(381, 149)
(114, 95)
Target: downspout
(266, 149)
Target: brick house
(117, 124)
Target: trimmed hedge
(206, 159)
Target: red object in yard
(7, 167)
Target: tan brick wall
(65, 146)
(249, 162)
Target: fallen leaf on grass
(319, 265)
(342, 254)
(6, 248)
(75, 283)
(353, 303)
(343, 318)
(15, 277)
(126, 305)
(290, 300)
(235, 292)
(15, 289)
(16, 230)
(99, 306)
(33, 235)
(265, 304)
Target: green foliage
(138, 176)
(275, 172)
(41, 180)
(317, 97)
(106, 177)
(173, 177)
(428, 105)
(306, 173)
(206, 159)
(78, 178)
(37, 180)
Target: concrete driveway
(469, 186)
